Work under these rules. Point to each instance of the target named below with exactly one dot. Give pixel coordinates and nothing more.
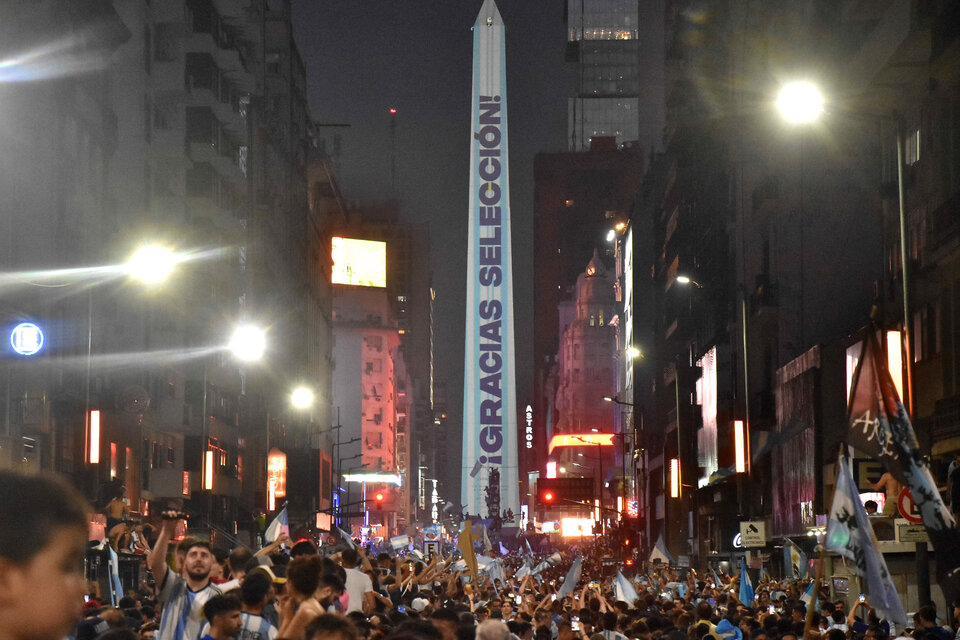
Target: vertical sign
(490, 484)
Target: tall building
(369, 389)
(586, 373)
(578, 200)
(193, 123)
(409, 295)
(603, 42)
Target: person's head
(237, 561)
(149, 630)
(927, 615)
(303, 575)
(350, 558)
(223, 614)
(493, 630)
(329, 588)
(255, 590)
(446, 621)
(870, 506)
(42, 546)
(198, 559)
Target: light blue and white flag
(807, 596)
(523, 571)
(116, 591)
(623, 589)
(399, 542)
(487, 547)
(571, 579)
(503, 550)
(548, 562)
(347, 538)
(850, 534)
(716, 578)
(278, 525)
(746, 587)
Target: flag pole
(817, 582)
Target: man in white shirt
(359, 586)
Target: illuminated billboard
(361, 263)
(581, 440)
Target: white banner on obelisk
(490, 485)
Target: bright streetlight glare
(632, 352)
(611, 235)
(301, 398)
(800, 102)
(683, 279)
(151, 264)
(608, 398)
(248, 343)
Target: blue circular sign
(26, 338)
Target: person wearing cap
(419, 604)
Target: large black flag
(880, 426)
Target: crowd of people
(346, 592)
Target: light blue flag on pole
(623, 590)
(850, 534)
(523, 571)
(503, 550)
(280, 523)
(746, 587)
(716, 578)
(570, 581)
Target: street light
(152, 264)
(301, 398)
(800, 102)
(248, 343)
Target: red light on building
(393, 111)
(548, 497)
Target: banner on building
(490, 482)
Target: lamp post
(803, 103)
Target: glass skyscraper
(603, 41)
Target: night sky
(364, 57)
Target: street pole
(922, 555)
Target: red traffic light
(379, 497)
(548, 496)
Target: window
(911, 147)
(273, 62)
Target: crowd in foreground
(345, 592)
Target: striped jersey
(253, 627)
(182, 608)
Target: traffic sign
(753, 533)
(907, 507)
(431, 547)
(26, 339)
(912, 533)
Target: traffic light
(379, 500)
(569, 493)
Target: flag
(465, 544)
(347, 538)
(879, 425)
(503, 550)
(716, 578)
(523, 571)
(399, 542)
(487, 547)
(623, 590)
(850, 534)
(746, 587)
(550, 561)
(433, 532)
(116, 586)
(529, 550)
(278, 525)
(807, 596)
(572, 578)
(794, 560)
